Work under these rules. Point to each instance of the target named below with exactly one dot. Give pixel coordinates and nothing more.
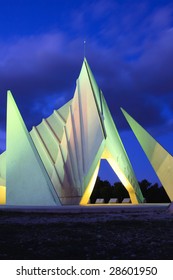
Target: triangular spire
(26, 178)
(159, 158)
(102, 134)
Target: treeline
(152, 193)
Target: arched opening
(104, 190)
(108, 187)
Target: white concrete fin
(159, 158)
(27, 181)
(3, 168)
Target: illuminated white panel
(3, 169)
(90, 186)
(43, 151)
(159, 158)
(77, 132)
(117, 157)
(27, 181)
(64, 111)
(92, 134)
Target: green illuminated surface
(27, 181)
(159, 158)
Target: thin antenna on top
(84, 48)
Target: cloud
(161, 18)
(39, 71)
(154, 69)
(44, 106)
(129, 49)
(35, 68)
(34, 61)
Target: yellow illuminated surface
(89, 188)
(2, 195)
(124, 180)
(106, 155)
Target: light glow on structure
(2, 179)
(2, 195)
(160, 159)
(62, 154)
(27, 181)
(89, 188)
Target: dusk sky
(129, 47)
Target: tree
(106, 191)
(152, 193)
(119, 191)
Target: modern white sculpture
(70, 143)
(73, 140)
(159, 158)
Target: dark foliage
(102, 189)
(152, 193)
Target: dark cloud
(42, 76)
(129, 49)
(36, 69)
(154, 70)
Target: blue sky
(130, 51)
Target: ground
(87, 233)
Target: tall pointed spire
(88, 135)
